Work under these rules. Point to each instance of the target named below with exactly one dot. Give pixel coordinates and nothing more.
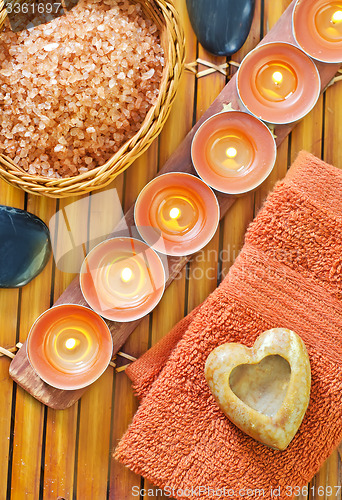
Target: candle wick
(70, 343)
(174, 213)
(231, 152)
(126, 274)
(277, 77)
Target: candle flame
(175, 213)
(126, 274)
(336, 17)
(277, 77)
(70, 343)
(231, 152)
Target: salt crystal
(59, 76)
(148, 74)
(6, 72)
(32, 94)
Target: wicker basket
(166, 17)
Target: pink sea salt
(74, 90)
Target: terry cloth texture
(288, 274)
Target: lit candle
(176, 214)
(233, 152)
(122, 279)
(317, 28)
(69, 346)
(278, 83)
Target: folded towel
(288, 274)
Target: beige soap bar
(263, 390)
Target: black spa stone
(25, 247)
(221, 26)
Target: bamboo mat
(50, 455)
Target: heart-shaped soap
(264, 390)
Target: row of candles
(123, 279)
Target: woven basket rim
(100, 176)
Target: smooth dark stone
(221, 26)
(25, 247)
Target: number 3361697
(33, 8)
(320, 491)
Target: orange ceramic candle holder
(278, 83)
(233, 152)
(69, 346)
(177, 214)
(122, 279)
(317, 28)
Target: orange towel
(288, 274)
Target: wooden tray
(20, 369)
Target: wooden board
(49, 454)
(20, 369)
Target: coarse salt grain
(51, 46)
(59, 80)
(148, 74)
